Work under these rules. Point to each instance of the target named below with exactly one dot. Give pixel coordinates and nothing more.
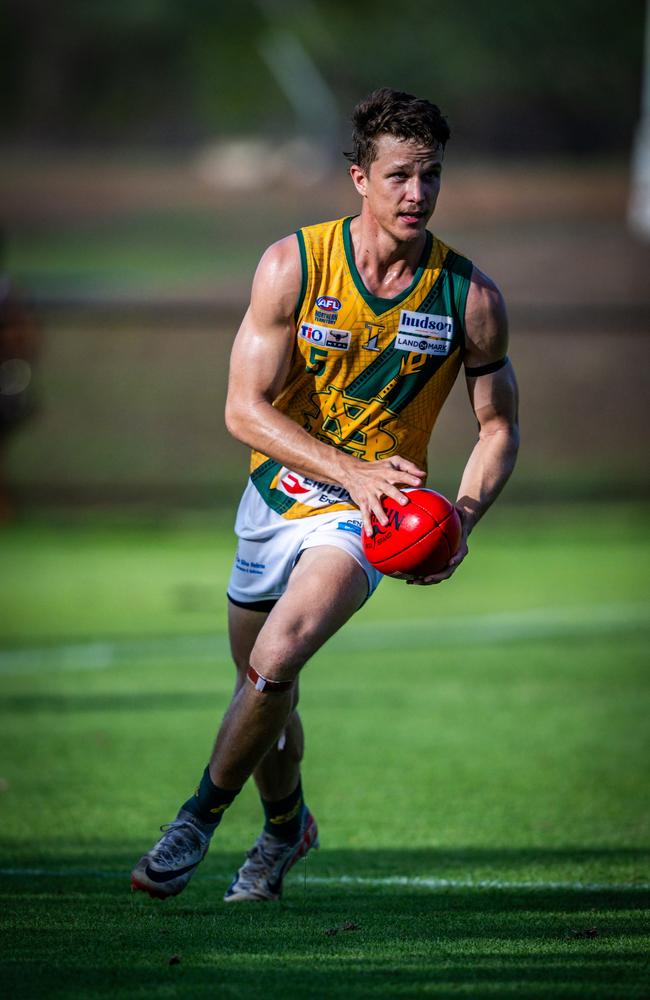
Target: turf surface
(476, 758)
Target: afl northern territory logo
(327, 309)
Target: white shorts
(270, 545)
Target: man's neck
(386, 265)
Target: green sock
(210, 802)
(283, 815)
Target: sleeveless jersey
(368, 375)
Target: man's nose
(415, 189)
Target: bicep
(495, 399)
(260, 359)
(486, 326)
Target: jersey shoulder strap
(320, 246)
(448, 295)
(459, 269)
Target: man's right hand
(368, 482)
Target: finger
(367, 521)
(376, 508)
(404, 465)
(432, 578)
(395, 494)
(458, 557)
(408, 479)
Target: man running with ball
(337, 400)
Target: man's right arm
(259, 365)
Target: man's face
(401, 187)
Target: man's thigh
(325, 588)
(244, 626)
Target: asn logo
(328, 302)
(441, 327)
(323, 336)
(394, 521)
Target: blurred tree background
(151, 150)
(514, 78)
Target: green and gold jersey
(368, 375)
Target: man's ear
(359, 179)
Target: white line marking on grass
(112, 653)
(506, 626)
(388, 881)
(420, 882)
(510, 626)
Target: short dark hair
(393, 112)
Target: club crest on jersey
(425, 333)
(323, 336)
(373, 330)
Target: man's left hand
(452, 565)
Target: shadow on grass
(207, 973)
(85, 934)
(543, 866)
(548, 864)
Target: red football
(420, 537)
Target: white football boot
(261, 875)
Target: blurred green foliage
(512, 77)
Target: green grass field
(476, 758)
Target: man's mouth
(411, 218)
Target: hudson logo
(323, 336)
(441, 327)
(328, 303)
(424, 333)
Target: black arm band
(487, 369)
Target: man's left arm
(493, 394)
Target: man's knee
(273, 674)
(280, 658)
(268, 669)
(326, 587)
